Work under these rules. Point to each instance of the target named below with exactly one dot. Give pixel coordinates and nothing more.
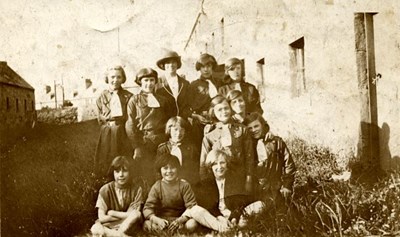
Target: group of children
(202, 151)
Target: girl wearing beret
(235, 81)
(230, 137)
(147, 115)
(112, 115)
(172, 86)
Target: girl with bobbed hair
(238, 105)
(180, 145)
(112, 115)
(169, 200)
(230, 137)
(202, 91)
(119, 201)
(173, 86)
(147, 115)
(234, 80)
(220, 194)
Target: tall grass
(48, 190)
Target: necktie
(212, 90)
(226, 138)
(237, 87)
(174, 85)
(176, 151)
(221, 205)
(115, 105)
(152, 102)
(261, 152)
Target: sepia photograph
(198, 118)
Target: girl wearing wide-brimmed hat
(235, 81)
(172, 86)
(147, 115)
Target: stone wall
(59, 116)
(328, 109)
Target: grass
(48, 190)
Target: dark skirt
(112, 142)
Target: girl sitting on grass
(169, 199)
(220, 194)
(119, 202)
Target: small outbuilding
(17, 107)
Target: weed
(49, 190)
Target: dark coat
(145, 123)
(250, 95)
(145, 130)
(182, 104)
(241, 150)
(190, 160)
(279, 168)
(199, 91)
(236, 199)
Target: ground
(48, 190)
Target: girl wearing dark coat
(174, 87)
(234, 81)
(232, 138)
(220, 194)
(202, 91)
(147, 115)
(180, 146)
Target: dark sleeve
(248, 152)
(188, 195)
(137, 201)
(186, 105)
(162, 149)
(131, 126)
(205, 148)
(289, 168)
(194, 103)
(254, 102)
(100, 113)
(168, 107)
(152, 202)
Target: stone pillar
(368, 144)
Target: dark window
(16, 105)
(297, 70)
(260, 70)
(8, 103)
(25, 106)
(33, 108)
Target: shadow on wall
(387, 161)
(366, 167)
